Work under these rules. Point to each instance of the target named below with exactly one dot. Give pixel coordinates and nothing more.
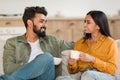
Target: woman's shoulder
(110, 39)
(81, 40)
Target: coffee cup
(57, 60)
(74, 54)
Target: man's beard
(39, 32)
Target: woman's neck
(94, 37)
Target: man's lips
(43, 29)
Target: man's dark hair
(30, 12)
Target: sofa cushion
(65, 55)
(118, 72)
(2, 42)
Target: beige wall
(69, 29)
(67, 8)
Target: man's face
(39, 25)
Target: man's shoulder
(16, 38)
(49, 37)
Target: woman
(98, 59)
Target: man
(30, 56)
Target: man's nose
(44, 22)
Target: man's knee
(46, 57)
(49, 57)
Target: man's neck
(31, 37)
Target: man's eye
(41, 21)
(44, 21)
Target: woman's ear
(97, 27)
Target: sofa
(64, 61)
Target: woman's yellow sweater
(106, 52)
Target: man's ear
(29, 22)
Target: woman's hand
(72, 61)
(86, 57)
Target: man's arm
(9, 59)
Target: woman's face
(89, 25)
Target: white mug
(74, 54)
(57, 60)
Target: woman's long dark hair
(100, 19)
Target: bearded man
(30, 56)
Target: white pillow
(2, 42)
(65, 55)
(118, 42)
(118, 71)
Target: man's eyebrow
(43, 20)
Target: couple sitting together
(31, 56)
